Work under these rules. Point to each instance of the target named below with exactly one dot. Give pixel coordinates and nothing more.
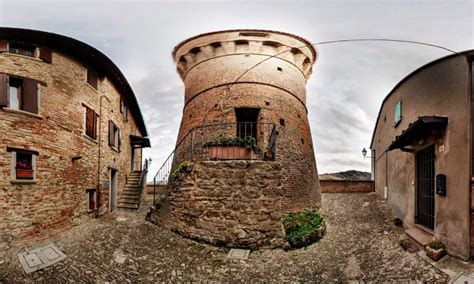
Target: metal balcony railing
(224, 141)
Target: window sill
(90, 139)
(21, 112)
(395, 124)
(115, 149)
(23, 181)
(92, 87)
(23, 56)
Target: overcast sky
(349, 80)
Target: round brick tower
(271, 93)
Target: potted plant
(224, 148)
(435, 250)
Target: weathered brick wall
(231, 203)
(58, 199)
(346, 186)
(210, 64)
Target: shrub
(248, 142)
(303, 228)
(182, 168)
(436, 245)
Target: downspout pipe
(97, 212)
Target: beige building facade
(71, 134)
(422, 153)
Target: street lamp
(364, 153)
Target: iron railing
(224, 141)
(143, 175)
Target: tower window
(22, 49)
(282, 122)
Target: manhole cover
(238, 254)
(40, 258)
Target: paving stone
(359, 245)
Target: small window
(92, 78)
(23, 164)
(22, 94)
(114, 135)
(90, 123)
(123, 109)
(91, 199)
(282, 122)
(397, 112)
(280, 69)
(22, 49)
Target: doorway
(425, 187)
(112, 190)
(247, 119)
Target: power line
(342, 41)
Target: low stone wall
(228, 203)
(346, 186)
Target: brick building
(247, 135)
(71, 134)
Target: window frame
(398, 106)
(21, 48)
(14, 178)
(92, 191)
(123, 109)
(93, 84)
(117, 136)
(22, 106)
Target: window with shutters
(92, 78)
(19, 93)
(90, 123)
(397, 117)
(114, 136)
(22, 49)
(123, 109)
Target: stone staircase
(131, 194)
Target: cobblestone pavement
(360, 244)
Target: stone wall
(230, 203)
(57, 199)
(346, 186)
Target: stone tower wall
(210, 64)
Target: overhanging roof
(422, 128)
(85, 54)
(139, 142)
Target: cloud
(349, 80)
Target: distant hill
(347, 175)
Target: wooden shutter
(92, 78)
(119, 139)
(90, 123)
(111, 133)
(30, 96)
(95, 125)
(46, 55)
(3, 46)
(3, 90)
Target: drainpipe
(385, 190)
(99, 156)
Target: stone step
(128, 206)
(129, 200)
(419, 237)
(130, 196)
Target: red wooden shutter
(30, 96)
(111, 133)
(3, 90)
(95, 125)
(46, 55)
(3, 46)
(90, 122)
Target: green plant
(182, 168)
(248, 142)
(436, 245)
(303, 228)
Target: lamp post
(364, 153)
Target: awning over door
(139, 142)
(423, 128)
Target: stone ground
(360, 244)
